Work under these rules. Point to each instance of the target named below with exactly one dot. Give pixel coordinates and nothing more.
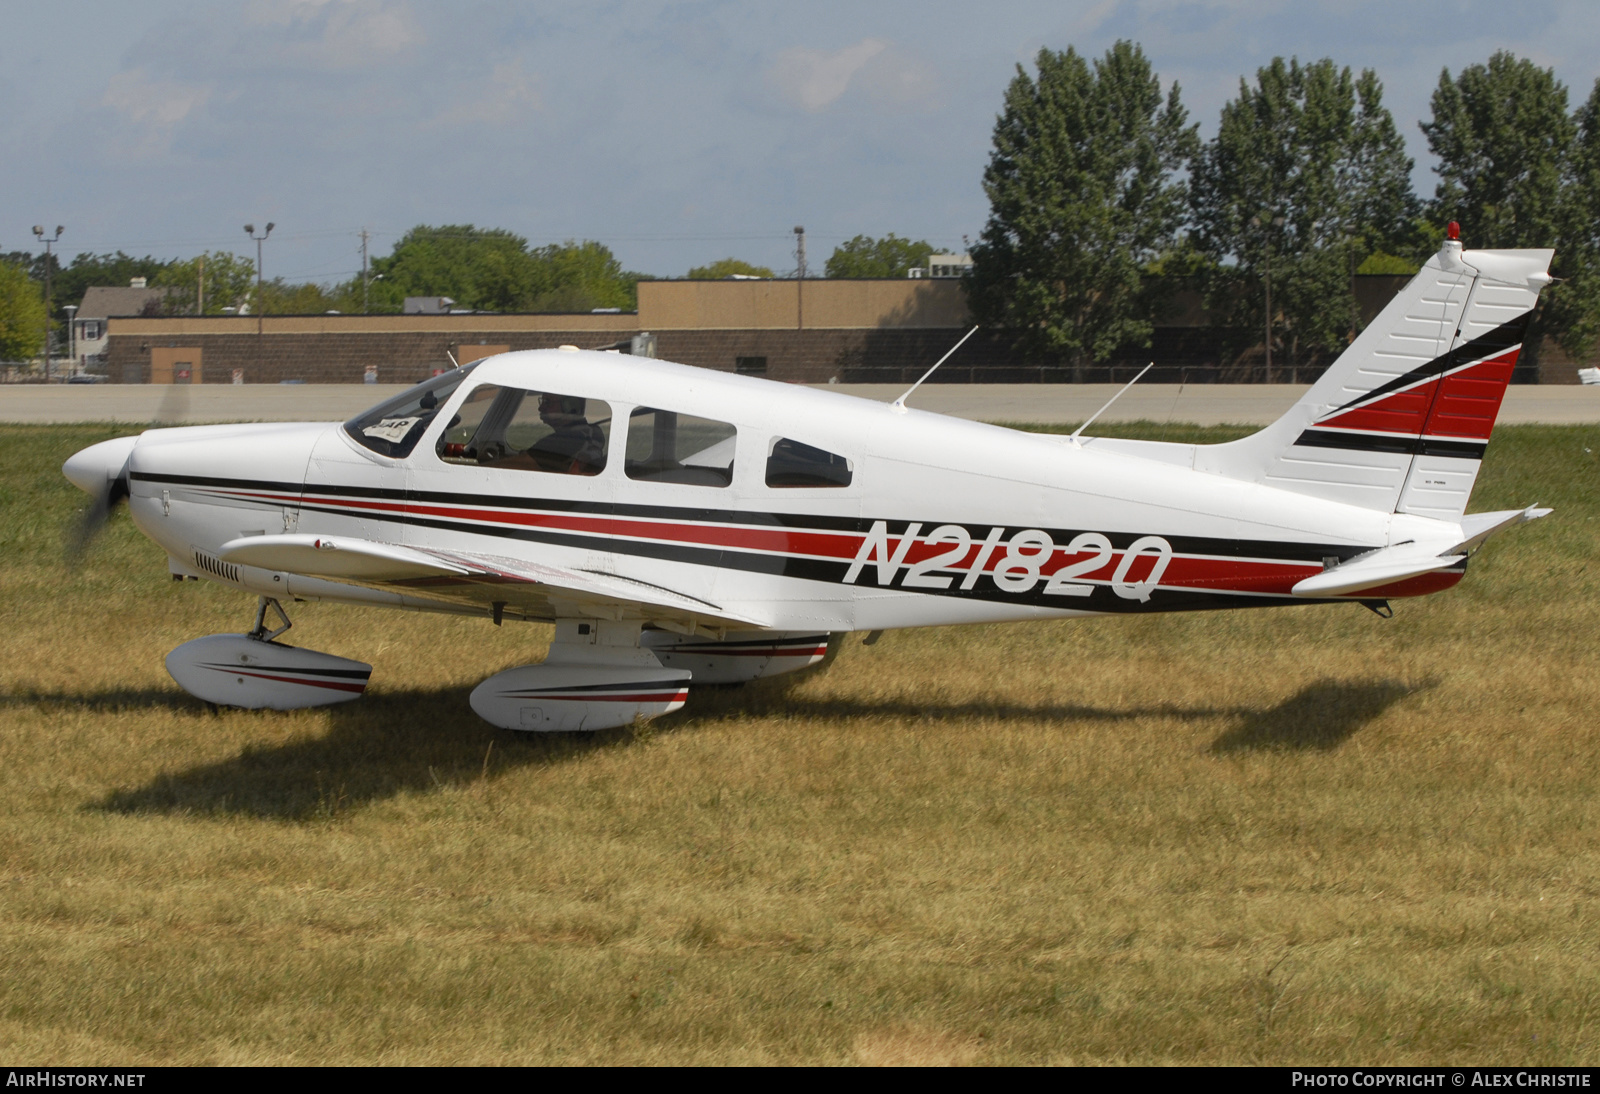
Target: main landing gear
(254, 671)
(599, 673)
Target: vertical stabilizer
(1400, 421)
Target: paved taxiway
(1205, 404)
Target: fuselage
(926, 520)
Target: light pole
(72, 339)
(1265, 221)
(38, 230)
(800, 276)
(250, 230)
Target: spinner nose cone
(93, 467)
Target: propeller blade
(96, 516)
(174, 408)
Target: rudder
(1400, 421)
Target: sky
(675, 133)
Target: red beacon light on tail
(1452, 232)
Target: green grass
(1302, 836)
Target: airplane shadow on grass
(422, 741)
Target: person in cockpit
(574, 446)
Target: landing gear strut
(260, 632)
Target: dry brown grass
(1302, 835)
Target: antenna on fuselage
(900, 403)
(1075, 438)
(453, 362)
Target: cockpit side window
(666, 446)
(791, 463)
(528, 431)
(393, 427)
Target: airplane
(682, 526)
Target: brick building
(813, 331)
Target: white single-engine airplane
(680, 525)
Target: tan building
(812, 331)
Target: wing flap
(546, 591)
(337, 557)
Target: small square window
(750, 366)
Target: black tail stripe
(1490, 344)
(1378, 442)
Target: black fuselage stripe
(1262, 550)
(832, 571)
(1379, 442)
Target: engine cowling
(237, 670)
(740, 657)
(553, 698)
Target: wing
(517, 587)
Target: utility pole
(38, 230)
(800, 276)
(72, 338)
(1267, 222)
(200, 292)
(250, 230)
(366, 277)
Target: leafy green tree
(21, 313)
(230, 282)
(890, 256)
(1517, 171)
(486, 269)
(1083, 194)
(1502, 135)
(580, 276)
(727, 267)
(1306, 178)
(492, 269)
(1572, 306)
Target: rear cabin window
(668, 446)
(791, 463)
(529, 431)
(394, 427)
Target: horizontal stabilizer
(1381, 567)
(1480, 526)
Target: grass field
(1303, 835)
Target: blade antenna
(900, 403)
(1075, 438)
(453, 362)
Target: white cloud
(338, 33)
(813, 78)
(147, 100)
(505, 96)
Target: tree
(491, 269)
(727, 267)
(890, 256)
(1082, 195)
(1502, 135)
(230, 281)
(1517, 171)
(21, 313)
(580, 276)
(1306, 178)
(485, 269)
(1571, 307)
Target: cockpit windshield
(394, 427)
